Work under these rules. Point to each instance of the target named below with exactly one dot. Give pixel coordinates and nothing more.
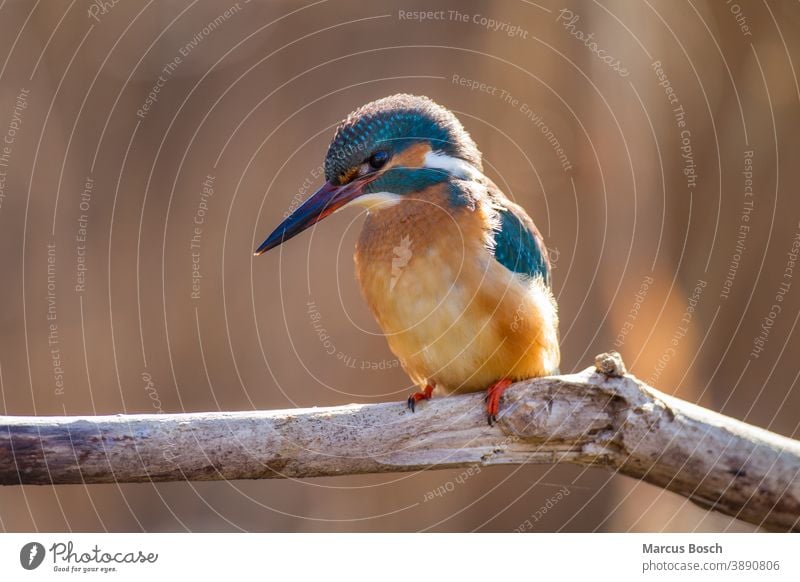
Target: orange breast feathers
(452, 314)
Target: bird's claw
(492, 399)
(412, 403)
(417, 396)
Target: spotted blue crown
(392, 124)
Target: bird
(455, 273)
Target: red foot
(417, 396)
(493, 394)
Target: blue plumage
(519, 246)
(394, 123)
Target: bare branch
(590, 418)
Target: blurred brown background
(640, 213)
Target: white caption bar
(353, 557)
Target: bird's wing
(518, 245)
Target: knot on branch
(610, 364)
(554, 410)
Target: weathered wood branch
(590, 418)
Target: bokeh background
(671, 226)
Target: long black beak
(323, 202)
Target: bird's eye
(378, 159)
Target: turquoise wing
(519, 246)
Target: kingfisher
(456, 274)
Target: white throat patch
(453, 166)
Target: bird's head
(382, 152)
